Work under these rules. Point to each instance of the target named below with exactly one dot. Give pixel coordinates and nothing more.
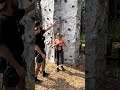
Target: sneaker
(45, 74)
(62, 68)
(58, 69)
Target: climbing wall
(28, 36)
(69, 13)
(47, 15)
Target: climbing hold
(65, 21)
(70, 59)
(71, 56)
(55, 0)
(65, 0)
(48, 33)
(49, 9)
(69, 29)
(73, 6)
(68, 40)
(59, 17)
(45, 9)
(58, 29)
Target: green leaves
(114, 29)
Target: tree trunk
(28, 37)
(96, 25)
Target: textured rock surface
(70, 14)
(47, 14)
(96, 38)
(28, 37)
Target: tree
(38, 12)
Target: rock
(28, 37)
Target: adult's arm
(9, 57)
(55, 43)
(48, 28)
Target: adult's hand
(43, 56)
(9, 57)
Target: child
(59, 47)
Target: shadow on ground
(75, 74)
(72, 78)
(63, 84)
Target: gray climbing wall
(96, 25)
(28, 37)
(69, 12)
(47, 15)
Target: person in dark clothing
(11, 45)
(39, 49)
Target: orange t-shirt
(60, 45)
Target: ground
(72, 79)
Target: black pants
(59, 55)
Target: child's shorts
(39, 58)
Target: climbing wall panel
(68, 12)
(28, 36)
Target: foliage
(38, 11)
(114, 28)
(37, 16)
(82, 40)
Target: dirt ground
(73, 78)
